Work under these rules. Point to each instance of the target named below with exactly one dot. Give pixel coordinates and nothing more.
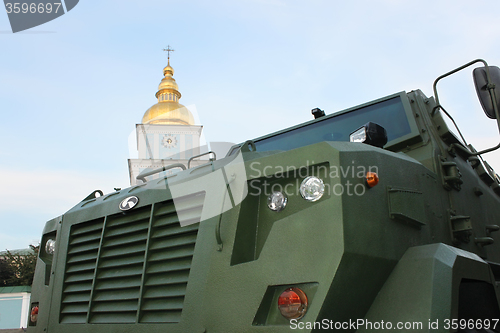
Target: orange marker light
(371, 179)
(292, 303)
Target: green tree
(22, 267)
(6, 273)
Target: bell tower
(168, 133)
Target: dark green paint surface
(391, 252)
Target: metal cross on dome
(168, 50)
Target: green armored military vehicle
(373, 218)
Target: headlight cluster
(50, 246)
(311, 189)
(277, 201)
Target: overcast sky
(72, 90)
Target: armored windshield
(389, 113)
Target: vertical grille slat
(80, 269)
(129, 268)
(171, 252)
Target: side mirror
(488, 92)
(371, 134)
(487, 82)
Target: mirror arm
(434, 86)
(491, 89)
(468, 152)
(452, 120)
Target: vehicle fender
(424, 286)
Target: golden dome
(168, 110)
(166, 113)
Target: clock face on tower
(169, 141)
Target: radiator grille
(81, 260)
(130, 268)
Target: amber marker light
(292, 303)
(371, 179)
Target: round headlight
(312, 188)
(277, 201)
(292, 303)
(50, 246)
